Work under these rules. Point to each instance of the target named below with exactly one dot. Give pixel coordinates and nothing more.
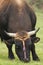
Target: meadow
(39, 47)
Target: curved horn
(11, 34)
(33, 32)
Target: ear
(9, 42)
(35, 39)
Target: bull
(17, 26)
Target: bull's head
(23, 43)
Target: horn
(33, 32)
(10, 34)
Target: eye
(28, 41)
(18, 42)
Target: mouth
(25, 60)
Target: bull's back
(19, 19)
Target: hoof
(11, 58)
(36, 59)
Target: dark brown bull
(17, 25)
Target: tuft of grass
(39, 47)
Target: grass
(39, 48)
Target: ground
(39, 47)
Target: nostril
(26, 60)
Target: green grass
(39, 48)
